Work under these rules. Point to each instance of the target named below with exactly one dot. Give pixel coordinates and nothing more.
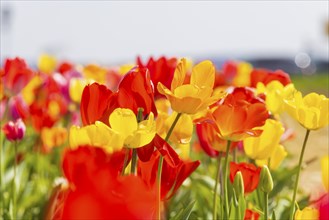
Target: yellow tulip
(52, 137)
(76, 88)
(307, 213)
(276, 93)
(182, 133)
(196, 96)
(28, 93)
(124, 131)
(47, 63)
(310, 111)
(276, 158)
(325, 171)
(98, 135)
(242, 77)
(123, 121)
(95, 72)
(262, 147)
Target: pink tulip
(14, 131)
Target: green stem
(266, 206)
(226, 208)
(292, 209)
(125, 161)
(160, 165)
(134, 157)
(219, 158)
(14, 183)
(133, 162)
(234, 155)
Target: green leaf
(184, 213)
(273, 215)
(242, 206)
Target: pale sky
(116, 31)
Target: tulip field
(162, 138)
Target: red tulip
(97, 191)
(250, 175)
(266, 76)
(16, 74)
(161, 70)
(135, 91)
(251, 215)
(94, 103)
(174, 170)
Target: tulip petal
(123, 121)
(203, 74)
(179, 75)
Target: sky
(118, 31)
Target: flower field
(163, 138)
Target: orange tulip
(238, 116)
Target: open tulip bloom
(161, 139)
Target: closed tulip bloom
(310, 111)
(262, 147)
(195, 96)
(307, 213)
(14, 131)
(276, 93)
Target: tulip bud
(14, 131)
(266, 182)
(238, 184)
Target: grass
(318, 83)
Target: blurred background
(291, 35)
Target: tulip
(276, 93)
(307, 213)
(310, 111)
(238, 116)
(94, 103)
(161, 70)
(14, 131)
(47, 63)
(76, 88)
(16, 74)
(265, 77)
(98, 192)
(181, 134)
(251, 215)
(52, 137)
(95, 73)
(196, 96)
(263, 146)
(124, 130)
(250, 174)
